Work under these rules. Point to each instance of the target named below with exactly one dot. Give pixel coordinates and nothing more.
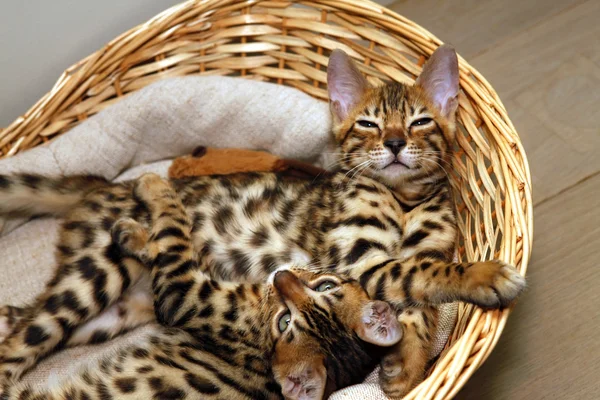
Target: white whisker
(362, 164)
(345, 158)
(361, 170)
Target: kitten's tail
(26, 195)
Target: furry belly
(249, 254)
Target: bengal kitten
(386, 219)
(303, 335)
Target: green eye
(367, 124)
(284, 321)
(325, 286)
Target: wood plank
(558, 120)
(555, 163)
(473, 26)
(550, 347)
(549, 79)
(566, 102)
(535, 54)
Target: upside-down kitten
(224, 339)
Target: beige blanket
(157, 123)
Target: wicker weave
(289, 43)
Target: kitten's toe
(403, 367)
(150, 187)
(495, 284)
(149, 180)
(397, 379)
(129, 235)
(509, 284)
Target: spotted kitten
(385, 219)
(301, 336)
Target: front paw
(129, 235)
(493, 284)
(150, 187)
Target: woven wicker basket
(289, 43)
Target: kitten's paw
(150, 187)
(493, 284)
(397, 378)
(129, 235)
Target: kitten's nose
(395, 145)
(289, 287)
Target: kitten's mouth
(396, 164)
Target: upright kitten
(303, 335)
(386, 219)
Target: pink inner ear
(345, 83)
(440, 80)
(379, 324)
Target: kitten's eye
(284, 321)
(367, 124)
(325, 286)
(421, 122)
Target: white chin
(395, 168)
(394, 173)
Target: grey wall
(39, 39)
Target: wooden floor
(543, 58)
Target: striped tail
(26, 195)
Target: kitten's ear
(379, 325)
(439, 79)
(306, 381)
(345, 83)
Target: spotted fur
(223, 339)
(385, 219)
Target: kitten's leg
(424, 281)
(177, 281)
(168, 250)
(427, 281)
(80, 290)
(134, 309)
